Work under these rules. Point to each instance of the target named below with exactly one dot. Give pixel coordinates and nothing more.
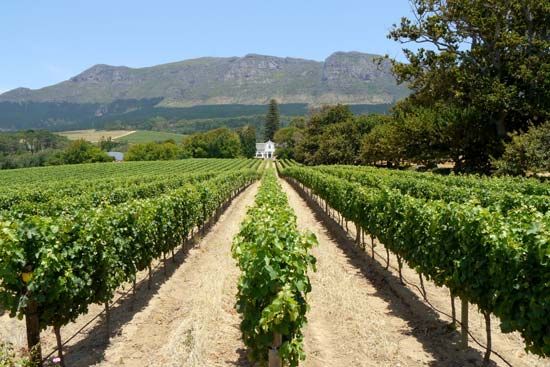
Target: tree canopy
(491, 57)
(272, 120)
(153, 151)
(82, 151)
(247, 136)
(217, 143)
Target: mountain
(344, 77)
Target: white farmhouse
(265, 150)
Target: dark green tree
(247, 135)
(489, 56)
(82, 151)
(217, 143)
(272, 120)
(287, 138)
(307, 150)
(526, 153)
(153, 151)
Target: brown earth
(360, 314)
(186, 318)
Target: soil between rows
(359, 315)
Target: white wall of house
(265, 150)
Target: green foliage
(274, 260)
(383, 143)
(272, 120)
(333, 134)
(529, 152)
(247, 136)
(286, 140)
(168, 90)
(141, 136)
(29, 148)
(218, 143)
(108, 144)
(30, 141)
(81, 151)
(80, 254)
(415, 134)
(489, 256)
(8, 357)
(491, 57)
(500, 195)
(153, 152)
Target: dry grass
(191, 320)
(94, 136)
(401, 328)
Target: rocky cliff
(345, 77)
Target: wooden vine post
(149, 276)
(274, 357)
(424, 294)
(464, 324)
(400, 265)
(33, 332)
(57, 331)
(488, 351)
(107, 322)
(453, 309)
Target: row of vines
(61, 255)
(487, 240)
(274, 258)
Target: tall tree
(217, 143)
(272, 121)
(247, 135)
(489, 56)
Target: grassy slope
(94, 135)
(141, 136)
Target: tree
(529, 152)
(382, 144)
(108, 144)
(82, 151)
(287, 139)
(153, 152)
(490, 56)
(272, 122)
(217, 143)
(247, 136)
(307, 151)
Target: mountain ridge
(343, 77)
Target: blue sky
(46, 41)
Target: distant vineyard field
(127, 136)
(140, 136)
(95, 135)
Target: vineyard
(72, 243)
(259, 267)
(488, 241)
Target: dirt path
(184, 317)
(191, 320)
(356, 319)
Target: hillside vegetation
(203, 88)
(139, 137)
